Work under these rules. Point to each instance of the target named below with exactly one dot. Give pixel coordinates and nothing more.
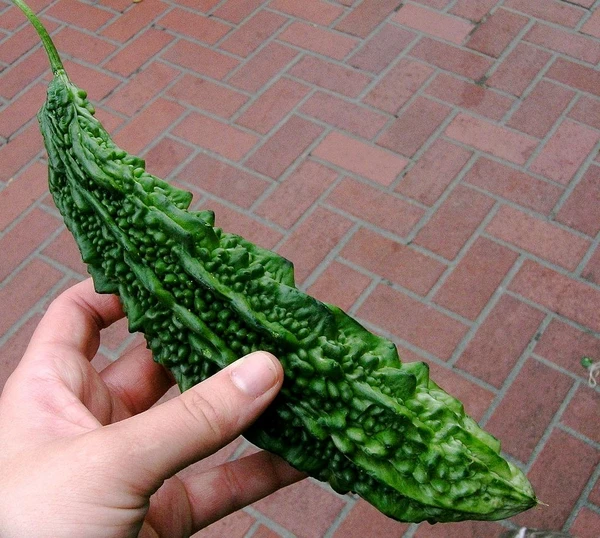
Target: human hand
(87, 454)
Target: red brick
(464, 529)
(296, 193)
(575, 75)
(432, 22)
(469, 96)
(22, 192)
(148, 125)
(398, 85)
(235, 525)
(451, 58)
(433, 172)
(206, 95)
(497, 32)
(238, 223)
(565, 296)
(361, 158)
(138, 51)
(264, 65)
(25, 238)
(558, 476)
(454, 222)
(82, 15)
(64, 250)
(500, 340)
(273, 105)
(594, 495)
(549, 10)
(473, 10)
(289, 506)
(320, 40)
(13, 349)
(81, 75)
(492, 138)
(132, 21)
(565, 345)
(375, 206)
(141, 89)
(414, 126)
(284, 147)
(539, 237)
(22, 73)
(223, 180)
(265, 532)
(519, 69)
(236, 11)
(315, 11)
(84, 47)
(216, 136)
(476, 277)
(199, 27)
(334, 77)
(514, 185)
(162, 158)
(253, 33)
(587, 110)
(19, 151)
(592, 25)
(346, 116)
(308, 246)
(339, 285)
(365, 17)
(545, 103)
(365, 520)
(475, 398)
(22, 41)
(591, 271)
(529, 405)
(21, 110)
(582, 413)
(565, 152)
(419, 324)
(116, 335)
(568, 43)
(393, 261)
(586, 524)
(24, 291)
(200, 59)
(381, 49)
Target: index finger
(74, 320)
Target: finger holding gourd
(349, 413)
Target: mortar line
(512, 375)
(267, 522)
(583, 500)
(554, 422)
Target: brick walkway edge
(430, 166)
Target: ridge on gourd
(349, 413)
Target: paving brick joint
(431, 166)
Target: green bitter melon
(349, 413)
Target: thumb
(163, 440)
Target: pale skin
(87, 453)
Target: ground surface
(430, 166)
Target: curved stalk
(55, 61)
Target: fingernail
(255, 374)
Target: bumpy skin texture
(349, 413)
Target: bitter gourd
(349, 413)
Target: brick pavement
(431, 166)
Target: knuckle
(203, 414)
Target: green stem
(55, 61)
